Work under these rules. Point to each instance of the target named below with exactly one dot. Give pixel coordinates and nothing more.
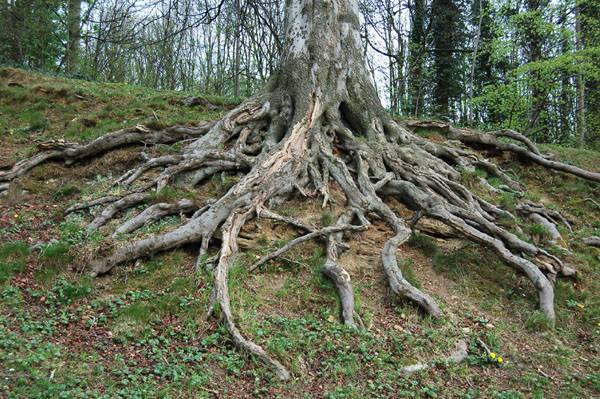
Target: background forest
(528, 65)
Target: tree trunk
(74, 27)
(535, 43)
(323, 57)
(579, 83)
(236, 49)
(417, 54)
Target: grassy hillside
(141, 331)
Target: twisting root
(471, 137)
(592, 241)
(313, 234)
(398, 283)
(435, 208)
(153, 213)
(111, 210)
(231, 229)
(72, 152)
(337, 274)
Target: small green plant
(538, 321)
(35, 120)
(12, 259)
(537, 230)
(326, 219)
(56, 255)
(66, 191)
(409, 273)
(166, 194)
(424, 243)
(154, 124)
(52, 259)
(139, 312)
(508, 201)
(66, 291)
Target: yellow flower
(16, 216)
(580, 305)
(500, 360)
(492, 355)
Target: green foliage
(13, 256)
(408, 271)
(538, 321)
(66, 191)
(67, 292)
(33, 33)
(35, 120)
(326, 219)
(539, 230)
(166, 194)
(424, 243)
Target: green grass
(424, 243)
(12, 259)
(408, 271)
(538, 321)
(539, 230)
(53, 106)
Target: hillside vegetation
(141, 331)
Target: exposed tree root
(72, 152)
(155, 212)
(229, 249)
(490, 140)
(592, 241)
(460, 353)
(313, 234)
(280, 149)
(317, 125)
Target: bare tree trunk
(237, 49)
(74, 26)
(470, 112)
(580, 84)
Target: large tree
(318, 123)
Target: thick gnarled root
(229, 249)
(72, 152)
(277, 151)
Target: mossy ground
(141, 331)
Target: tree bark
(74, 27)
(579, 82)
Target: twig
(301, 239)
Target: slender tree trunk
(237, 49)
(74, 26)
(446, 36)
(565, 97)
(416, 53)
(579, 82)
(470, 113)
(535, 53)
